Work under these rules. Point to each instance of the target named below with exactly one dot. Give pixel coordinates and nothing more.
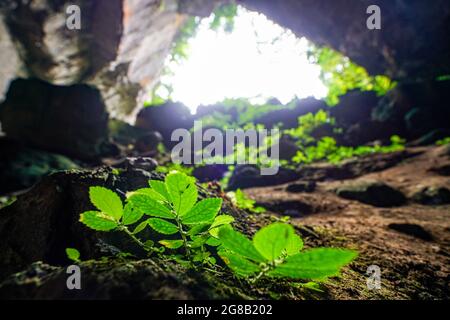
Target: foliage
(340, 75)
(275, 251)
(223, 17)
(443, 142)
(242, 201)
(170, 166)
(73, 254)
(327, 149)
(171, 208)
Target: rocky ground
(395, 212)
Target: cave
(357, 209)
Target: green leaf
(294, 245)
(148, 192)
(106, 201)
(160, 187)
(204, 211)
(131, 215)
(198, 228)
(171, 244)
(271, 240)
(141, 226)
(150, 206)
(221, 220)
(238, 243)
(98, 221)
(316, 263)
(182, 191)
(162, 226)
(239, 264)
(73, 254)
(213, 242)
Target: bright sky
(258, 59)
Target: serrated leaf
(98, 221)
(106, 201)
(131, 215)
(316, 263)
(239, 264)
(238, 243)
(198, 241)
(160, 187)
(73, 254)
(221, 220)
(271, 240)
(150, 206)
(204, 211)
(198, 228)
(294, 245)
(182, 191)
(213, 242)
(148, 192)
(141, 226)
(171, 244)
(162, 226)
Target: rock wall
(413, 41)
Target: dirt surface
(410, 243)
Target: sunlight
(258, 60)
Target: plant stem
(183, 237)
(140, 243)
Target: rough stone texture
(375, 193)
(165, 119)
(56, 54)
(247, 176)
(9, 59)
(21, 167)
(413, 41)
(432, 195)
(68, 120)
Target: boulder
(165, 119)
(67, 120)
(375, 193)
(432, 195)
(249, 176)
(413, 230)
(21, 167)
(301, 186)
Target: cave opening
(247, 56)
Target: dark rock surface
(375, 193)
(21, 167)
(413, 230)
(432, 195)
(248, 176)
(413, 41)
(301, 186)
(67, 120)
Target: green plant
(276, 251)
(73, 254)
(340, 75)
(174, 209)
(191, 225)
(242, 201)
(443, 142)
